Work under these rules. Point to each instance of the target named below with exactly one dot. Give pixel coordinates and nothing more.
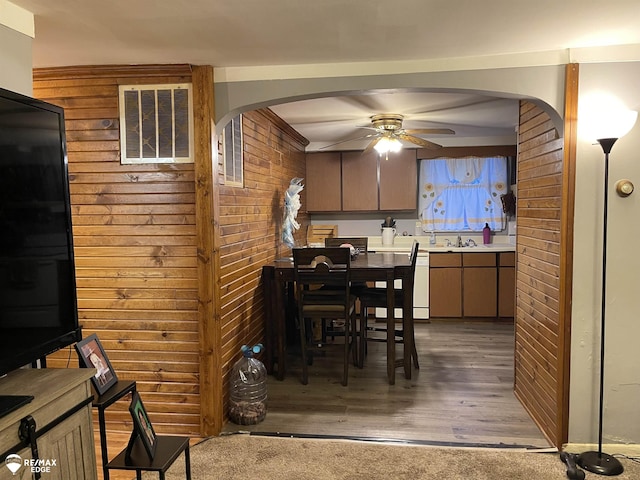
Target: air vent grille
(156, 124)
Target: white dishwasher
(420, 289)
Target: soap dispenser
(486, 234)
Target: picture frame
(92, 355)
(142, 425)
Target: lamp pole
(596, 461)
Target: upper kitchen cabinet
(399, 181)
(359, 182)
(323, 183)
(353, 182)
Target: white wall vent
(156, 124)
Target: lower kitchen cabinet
(479, 285)
(506, 284)
(445, 285)
(468, 285)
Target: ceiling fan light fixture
(387, 121)
(388, 144)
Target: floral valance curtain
(462, 193)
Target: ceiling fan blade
(419, 141)
(347, 140)
(430, 131)
(372, 144)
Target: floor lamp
(596, 461)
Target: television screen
(38, 308)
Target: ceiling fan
(388, 133)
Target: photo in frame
(142, 425)
(92, 355)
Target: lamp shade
(603, 116)
(388, 144)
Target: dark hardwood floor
(462, 393)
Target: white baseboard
(630, 450)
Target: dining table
(278, 279)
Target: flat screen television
(38, 307)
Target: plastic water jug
(248, 396)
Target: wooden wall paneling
(250, 222)
(540, 349)
(169, 260)
(135, 243)
(208, 254)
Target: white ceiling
(233, 33)
(476, 119)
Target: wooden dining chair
(329, 267)
(371, 297)
(361, 243)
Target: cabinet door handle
(27, 433)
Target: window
(232, 152)
(458, 194)
(156, 124)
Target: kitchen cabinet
(471, 284)
(359, 181)
(445, 285)
(398, 181)
(353, 182)
(506, 284)
(479, 285)
(323, 183)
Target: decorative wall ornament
(291, 206)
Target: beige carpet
(274, 458)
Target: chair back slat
(329, 266)
(361, 243)
(413, 257)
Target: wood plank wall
(135, 229)
(538, 324)
(135, 246)
(250, 227)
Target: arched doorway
(541, 100)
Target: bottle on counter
(418, 229)
(432, 239)
(486, 234)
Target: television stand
(58, 420)
(9, 403)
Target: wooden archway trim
(544, 262)
(208, 255)
(566, 247)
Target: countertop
(402, 244)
